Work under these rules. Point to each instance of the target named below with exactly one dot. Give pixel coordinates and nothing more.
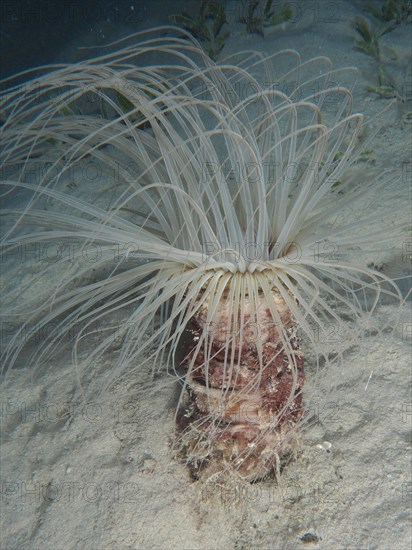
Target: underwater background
(101, 474)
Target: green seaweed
(407, 118)
(124, 106)
(369, 42)
(52, 141)
(207, 26)
(338, 155)
(257, 16)
(386, 87)
(253, 21)
(125, 103)
(386, 92)
(65, 110)
(272, 18)
(397, 11)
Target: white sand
(101, 474)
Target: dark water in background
(38, 32)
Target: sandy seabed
(100, 473)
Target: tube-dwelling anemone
(225, 200)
